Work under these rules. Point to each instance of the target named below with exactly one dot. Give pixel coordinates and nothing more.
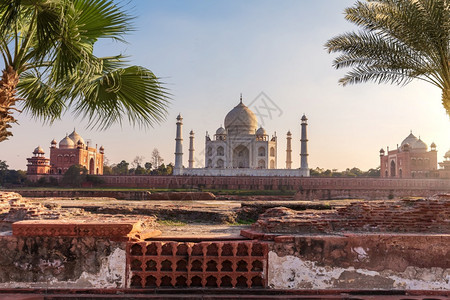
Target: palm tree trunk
(8, 85)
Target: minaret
(304, 145)
(178, 168)
(289, 150)
(191, 149)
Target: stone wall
(307, 188)
(404, 216)
(368, 262)
(61, 262)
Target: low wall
(325, 262)
(61, 262)
(308, 188)
(129, 195)
(365, 262)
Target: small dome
(447, 154)
(304, 118)
(261, 131)
(410, 139)
(54, 142)
(221, 131)
(75, 137)
(433, 145)
(381, 150)
(419, 145)
(101, 148)
(38, 150)
(289, 133)
(66, 143)
(192, 132)
(241, 120)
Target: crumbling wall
(61, 262)
(363, 262)
(422, 215)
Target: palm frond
(114, 93)
(44, 102)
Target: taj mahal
(241, 149)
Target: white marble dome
(447, 154)
(221, 131)
(75, 137)
(410, 139)
(261, 131)
(420, 145)
(66, 143)
(241, 120)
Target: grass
(242, 222)
(171, 223)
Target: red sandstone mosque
(413, 160)
(71, 150)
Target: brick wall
(307, 188)
(405, 216)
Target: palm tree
(400, 40)
(49, 65)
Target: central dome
(241, 120)
(75, 137)
(410, 139)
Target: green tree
(148, 167)
(74, 176)
(400, 40)
(3, 171)
(47, 48)
(121, 168)
(107, 170)
(140, 171)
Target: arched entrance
(393, 169)
(220, 163)
(241, 157)
(91, 166)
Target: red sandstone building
(71, 150)
(38, 164)
(411, 160)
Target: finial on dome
(241, 98)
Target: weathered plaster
(110, 275)
(62, 263)
(291, 272)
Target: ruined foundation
(359, 248)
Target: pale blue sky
(208, 52)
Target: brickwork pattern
(405, 216)
(226, 264)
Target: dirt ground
(184, 219)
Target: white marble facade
(238, 149)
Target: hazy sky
(208, 52)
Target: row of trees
(11, 177)
(353, 172)
(139, 167)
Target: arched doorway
(220, 163)
(241, 157)
(91, 166)
(393, 169)
(272, 164)
(261, 164)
